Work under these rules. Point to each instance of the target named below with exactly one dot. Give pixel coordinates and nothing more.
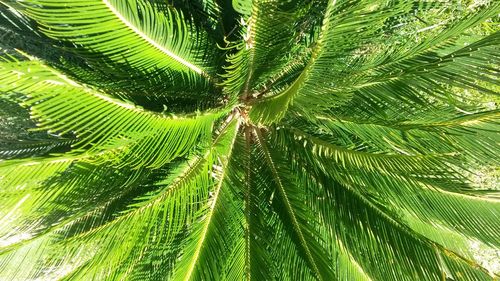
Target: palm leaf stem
(248, 174)
(212, 206)
(288, 206)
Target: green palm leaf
(65, 107)
(249, 140)
(127, 27)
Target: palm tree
(247, 140)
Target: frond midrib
(251, 50)
(152, 42)
(318, 141)
(248, 175)
(482, 116)
(208, 220)
(286, 200)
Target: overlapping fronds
(378, 219)
(207, 250)
(427, 180)
(99, 122)
(39, 195)
(17, 139)
(249, 140)
(271, 32)
(205, 13)
(350, 53)
(294, 219)
(151, 225)
(135, 35)
(453, 133)
(113, 145)
(472, 67)
(331, 54)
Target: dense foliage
(248, 139)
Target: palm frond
(188, 188)
(63, 106)
(136, 29)
(39, 195)
(17, 139)
(406, 193)
(291, 210)
(433, 69)
(467, 135)
(407, 252)
(271, 38)
(206, 250)
(339, 20)
(353, 65)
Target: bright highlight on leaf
(249, 140)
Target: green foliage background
(249, 140)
